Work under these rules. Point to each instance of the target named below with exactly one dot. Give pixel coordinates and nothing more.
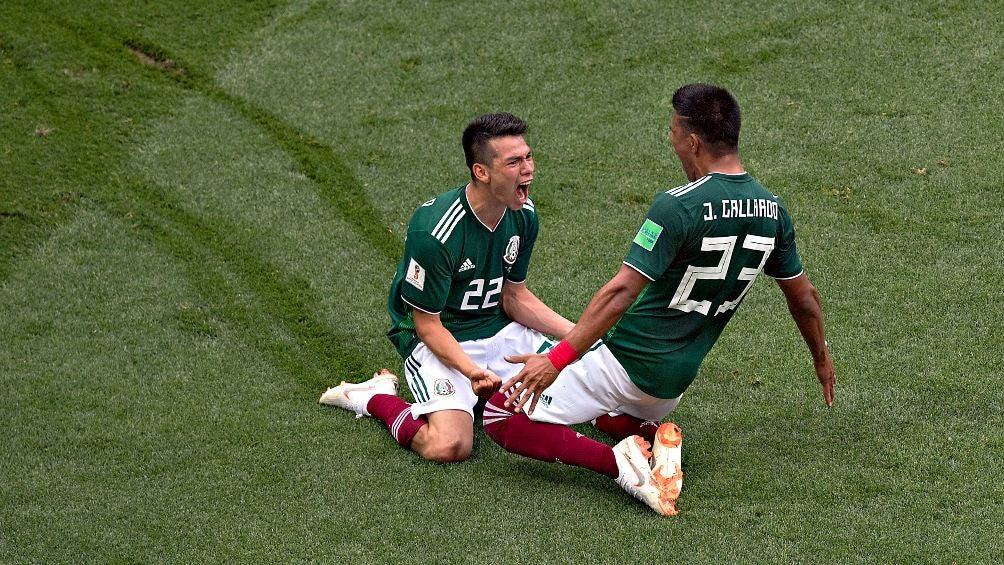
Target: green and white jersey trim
(444, 229)
(455, 266)
(405, 300)
(684, 189)
(800, 273)
(642, 273)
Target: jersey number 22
(477, 287)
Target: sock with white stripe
(396, 414)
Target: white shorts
(437, 387)
(595, 385)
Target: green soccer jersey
(702, 245)
(455, 266)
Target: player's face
(680, 139)
(511, 171)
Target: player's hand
(537, 374)
(827, 377)
(484, 382)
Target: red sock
(545, 442)
(624, 425)
(396, 414)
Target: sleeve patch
(416, 275)
(648, 235)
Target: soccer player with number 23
(689, 267)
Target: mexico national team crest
(511, 250)
(444, 387)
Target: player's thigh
(584, 390)
(436, 387)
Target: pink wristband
(562, 355)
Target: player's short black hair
(710, 112)
(483, 129)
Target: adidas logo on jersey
(466, 266)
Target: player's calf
(377, 397)
(620, 426)
(553, 443)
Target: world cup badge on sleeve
(416, 275)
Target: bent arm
(523, 307)
(604, 309)
(447, 349)
(441, 342)
(807, 311)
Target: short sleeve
(784, 262)
(528, 238)
(427, 277)
(659, 238)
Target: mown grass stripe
(286, 300)
(335, 181)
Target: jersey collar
(467, 204)
(733, 177)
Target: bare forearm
(807, 311)
(606, 307)
(531, 312)
(445, 347)
(539, 371)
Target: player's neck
(488, 211)
(726, 164)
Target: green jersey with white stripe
(455, 266)
(702, 246)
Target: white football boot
(636, 477)
(667, 460)
(355, 396)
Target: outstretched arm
(524, 307)
(807, 311)
(606, 307)
(445, 347)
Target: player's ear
(480, 172)
(693, 142)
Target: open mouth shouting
(523, 192)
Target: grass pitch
(201, 207)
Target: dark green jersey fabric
(701, 245)
(455, 266)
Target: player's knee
(449, 450)
(446, 445)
